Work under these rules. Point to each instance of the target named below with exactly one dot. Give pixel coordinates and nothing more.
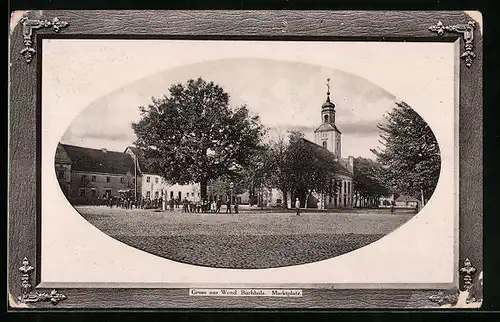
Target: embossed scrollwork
(28, 25)
(27, 295)
(467, 30)
(469, 296)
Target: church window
(326, 118)
(324, 144)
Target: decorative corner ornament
(30, 297)
(470, 297)
(468, 32)
(28, 25)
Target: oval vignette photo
(246, 162)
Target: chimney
(350, 164)
(104, 150)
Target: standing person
(218, 205)
(392, 207)
(236, 207)
(185, 204)
(171, 204)
(297, 205)
(213, 207)
(228, 206)
(177, 201)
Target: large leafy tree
(367, 185)
(309, 167)
(193, 135)
(410, 154)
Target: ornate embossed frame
(24, 152)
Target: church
(328, 138)
(327, 141)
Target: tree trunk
(422, 196)
(285, 198)
(203, 189)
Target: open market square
(251, 239)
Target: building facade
(155, 186)
(87, 176)
(328, 137)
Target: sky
(284, 83)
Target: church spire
(328, 91)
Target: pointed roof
(328, 104)
(322, 152)
(327, 127)
(98, 160)
(141, 160)
(61, 156)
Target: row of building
(87, 175)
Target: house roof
(404, 198)
(141, 160)
(325, 127)
(322, 152)
(100, 161)
(61, 156)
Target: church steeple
(328, 108)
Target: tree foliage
(193, 135)
(410, 155)
(366, 181)
(308, 167)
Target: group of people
(213, 206)
(188, 206)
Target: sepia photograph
(252, 163)
(181, 168)
(245, 161)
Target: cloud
(286, 95)
(360, 128)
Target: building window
(60, 174)
(324, 144)
(93, 192)
(148, 179)
(122, 180)
(108, 193)
(83, 178)
(82, 192)
(156, 180)
(179, 195)
(148, 194)
(326, 118)
(156, 194)
(108, 179)
(171, 195)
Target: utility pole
(135, 179)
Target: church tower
(327, 134)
